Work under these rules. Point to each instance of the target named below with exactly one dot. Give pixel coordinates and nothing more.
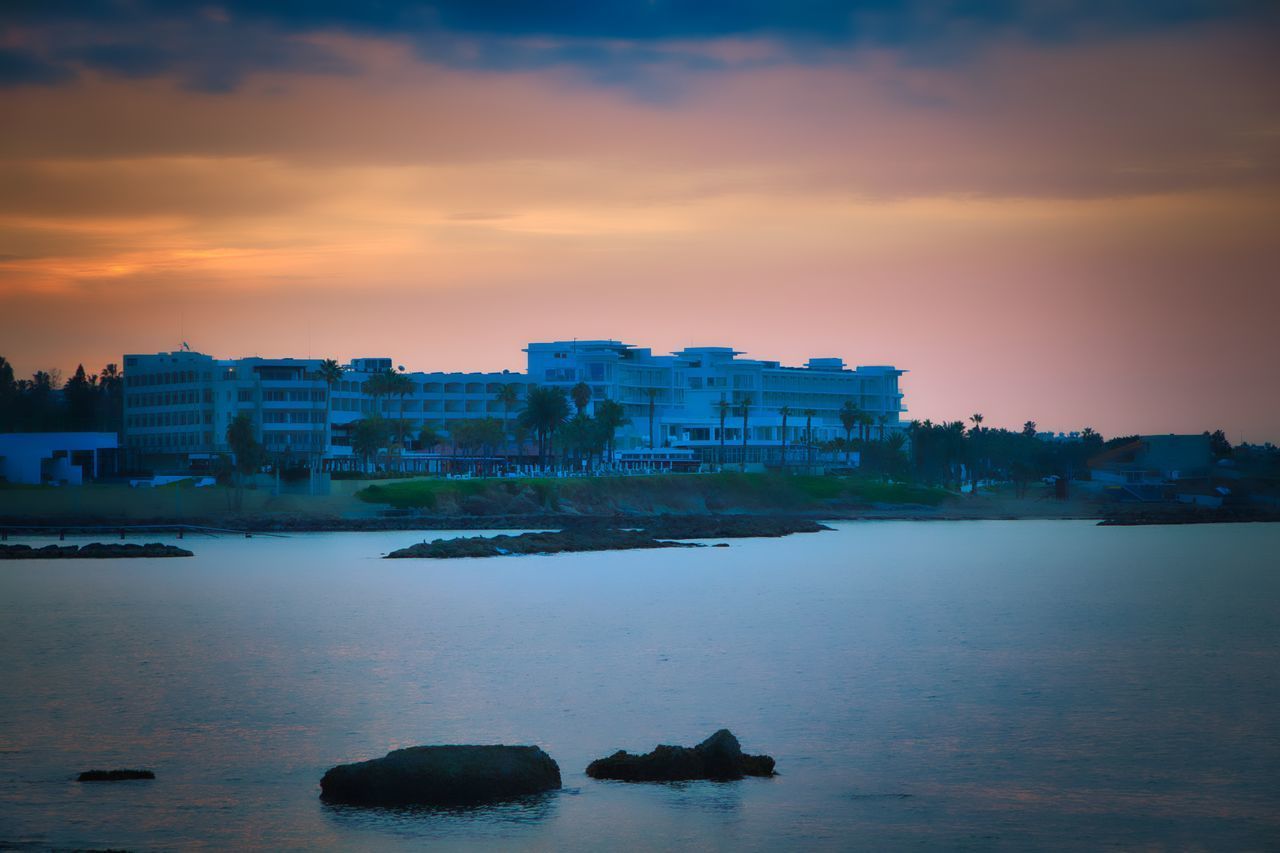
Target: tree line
(87, 402)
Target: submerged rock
(442, 775)
(719, 757)
(619, 534)
(114, 775)
(564, 541)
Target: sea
(958, 685)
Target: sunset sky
(1066, 212)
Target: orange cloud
(1080, 233)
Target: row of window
(169, 398)
(280, 395)
(292, 416)
(168, 377)
(356, 386)
(293, 440)
(171, 440)
(164, 419)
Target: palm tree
(609, 416)
(330, 374)
(808, 433)
(401, 386)
(784, 411)
(850, 417)
(976, 417)
(377, 387)
(1029, 429)
(883, 421)
(746, 402)
(508, 396)
(652, 394)
(581, 395)
(723, 409)
(428, 437)
(545, 410)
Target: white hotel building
(178, 404)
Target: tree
(546, 408)
(330, 373)
(746, 402)
(1219, 444)
(399, 385)
(428, 437)
(508, 396)
(652, 394)
(81, 393)
(722, 408)
(609, 417)
(850, 417)
(249, 453)
(111, 398)
(579, 435)
(977, 445)
(1029, 429)
(368, 436)
(808, 434)
(785, 411)
(477, 436)
(883, 421)
(8, 396)
(581, 396)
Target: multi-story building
(178, 405)
(684, 392)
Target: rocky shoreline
(661, 532)
(92, 551)
(1153, 515)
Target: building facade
(687, 387)
(178, 405)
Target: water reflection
(724, 798)
(451, 820)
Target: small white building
(33, 458)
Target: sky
(1046, 210)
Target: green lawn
(718, 492)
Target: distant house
(1151, 467)
(56, 457)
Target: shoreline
(312, 523)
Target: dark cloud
(19, 68)
(212, 46)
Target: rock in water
(114, 775)
(719, 757)
(441, 775)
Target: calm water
(959, 685)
